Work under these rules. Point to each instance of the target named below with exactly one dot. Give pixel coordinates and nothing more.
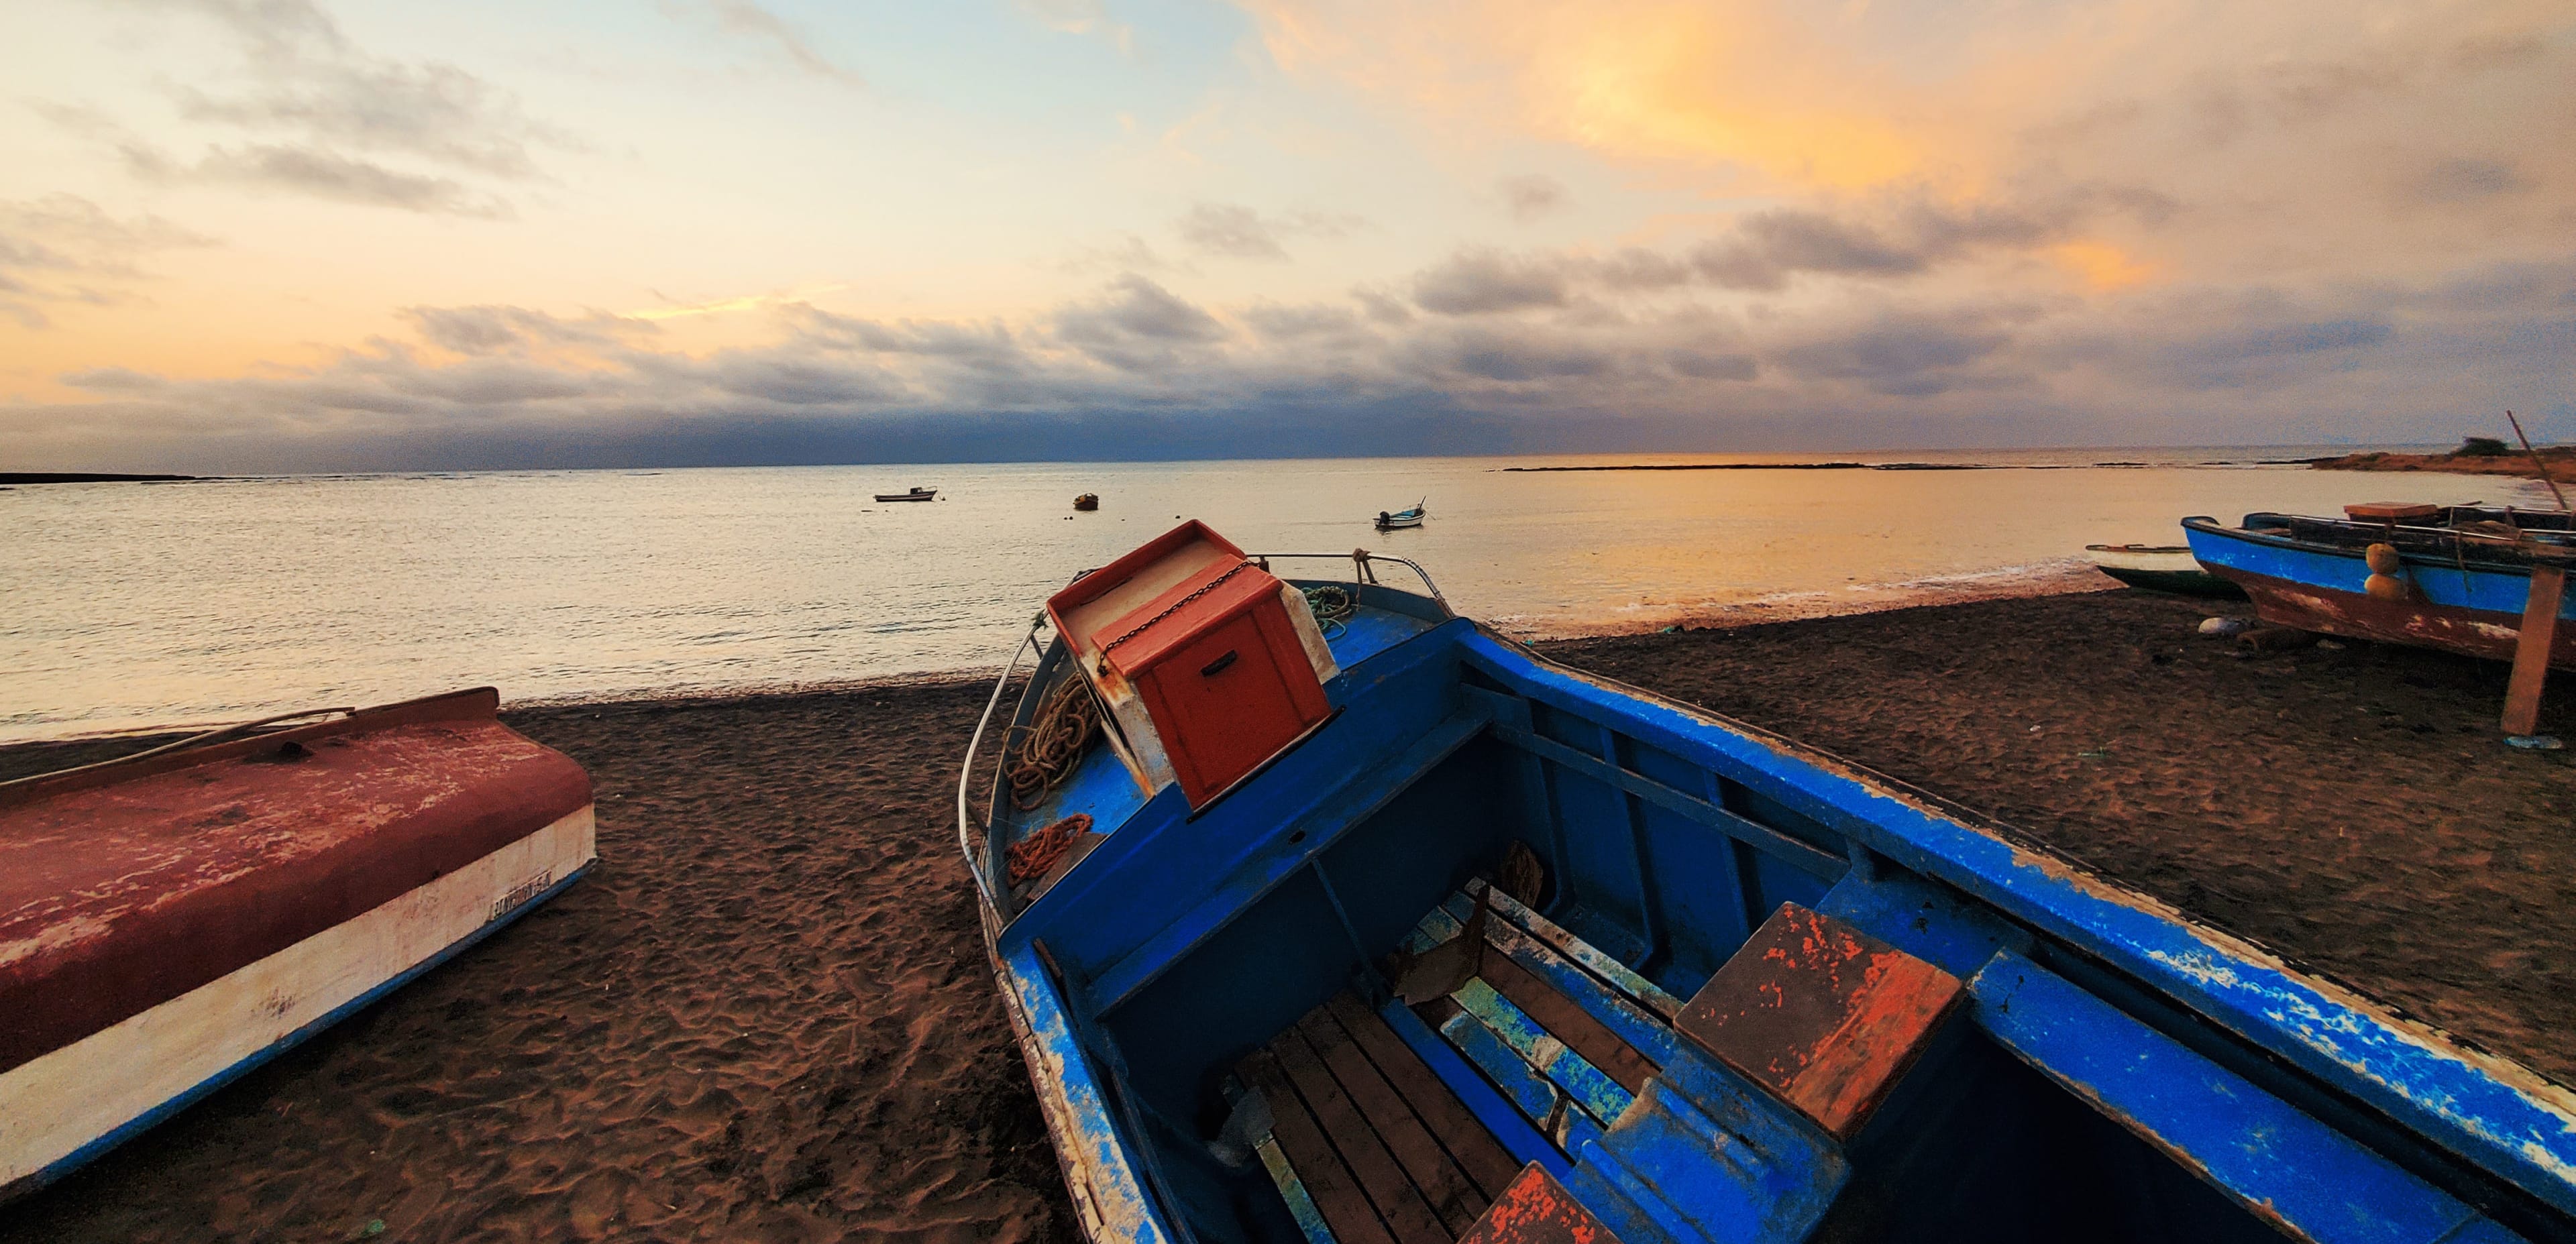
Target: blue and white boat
(1485, 948)
(2460, 578)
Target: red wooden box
(1202, 640)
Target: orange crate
(1214, 655)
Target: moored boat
(2461, 578)
(1394, 520)
(170, 921)
(2167, 568)
(918, 493)
(1397, 931)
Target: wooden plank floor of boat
(1370, 1143)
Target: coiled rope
(1036, 855)
(1047, 749)
(1332, 605)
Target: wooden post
(2531, 650)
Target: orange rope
(1034, 855)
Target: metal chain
(1148, 624)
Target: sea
(127, 606)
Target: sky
(316, 235)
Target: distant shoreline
(88, 477)
(1916, 466)
(2561, 460)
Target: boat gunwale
(2462, 560)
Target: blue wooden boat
(1503, 951)
(2461, 581)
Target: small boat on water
(1396, 931)
(2456, 578)
(171, 920)
(1087, 502)
(1390, 521)
(2160, 568)
(918, 493)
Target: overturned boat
(1394, 931)
(172, 920)
(2458, 578)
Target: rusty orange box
(1200, 641)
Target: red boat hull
(2469, 632)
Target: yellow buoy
(2382, 559)
(2384, 587)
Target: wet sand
(766, 1015)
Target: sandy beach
(766, 1015)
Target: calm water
(124, 605)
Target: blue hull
(2459, 602)
(2105, 1067)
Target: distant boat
(2161, 568)
(1087, 502)
(2455, 577)
(1403, 518)
(918, 493)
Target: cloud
(1485, 281)
(486, 330)
(745, 17)
(1896, 353)
(1529, 196)
(63, 249)
(322, 174)
(1707, 365)
(1081, 17)
(331, 120)
(2468, 179)
(1136, 326)
(1138, 371)
(1237, 232)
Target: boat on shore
(2458, 578)
(1087, 502)
(1398, 931)
(172, 920)
(1398, 519)
(918, 493)
(2168, 568)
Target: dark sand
(766, 1015)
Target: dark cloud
(1237, 232)
(1483, 282)
(1898, 354)
(1516, 358)
(1706, 365)
(2467, 179)
(1137, 326)
(1327, 324)
(1529, 196)
(793, 381)
(989, 346)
